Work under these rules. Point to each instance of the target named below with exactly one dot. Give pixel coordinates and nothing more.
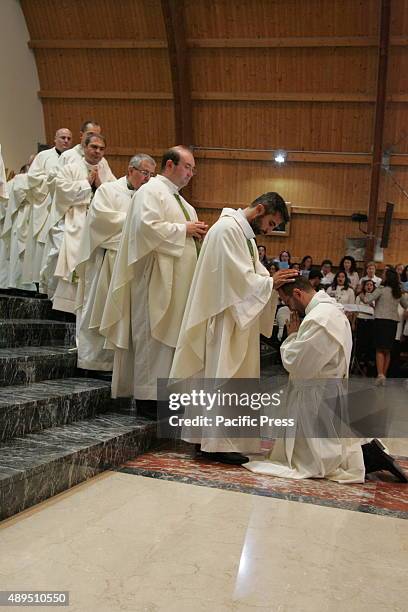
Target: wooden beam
(217, 43)
(296, 210)
(280, 96)
(97, 43)
(107, 95)
(373, 206)
(293, 41)
(173, 15)
(308, 157)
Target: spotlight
(280, 156)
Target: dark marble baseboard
(38, 466)
(25, 410)
(26, 365)
(30, 332)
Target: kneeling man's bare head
(297, 294)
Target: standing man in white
(97, 253)
(75, 185)
(151, 280)
(40, 178)
(219, 337)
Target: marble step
(31, 332)
(21, 307)
(38, 466)
(25, 410)
(24, 365)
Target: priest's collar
(321, 296)
(173, 188)
(245, 225)
(129, 185)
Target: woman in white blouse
(349, 266)
(340, 289)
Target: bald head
(63, 139)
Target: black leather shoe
(230, 458)
(375, 459)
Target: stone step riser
(16, 307)
(25, 417)
(50, 333)
(19, 492)
(29, 369)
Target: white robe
(40, 177)
(4, 195)
(231, 302)
(15, 231)
(63, 230)
(98, 248)
(149, 289)
(317, 358)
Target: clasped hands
(196, 229)
(93, 177)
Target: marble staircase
(57, 428)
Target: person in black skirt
(386, 297)
(365, 349)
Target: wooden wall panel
(309, 185)
(104, 69)
(125, 123)
(290, 125)
(72, 19)
(332, 106)
(277, 18)
(284, 70)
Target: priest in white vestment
(317, 355)
(40, 178)
(4, 194)
(151, 279)
(75, 185)
(15, 230)
(231, 302)
(76, 154)
(98, 249)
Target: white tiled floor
(124, 542)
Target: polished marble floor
(124, 541)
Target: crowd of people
(379, 335)
(157, 294)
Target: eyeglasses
(146, 173)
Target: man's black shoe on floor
(147, 409)
(375, 459)
(230, 458)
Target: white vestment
(230, 304)
(149, 289)
(4, 194)
(98, 248)
(15, 231)
(63, 230)
(317, 358)
(40, 178)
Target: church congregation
(129, 258)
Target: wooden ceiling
(238, 79)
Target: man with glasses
(149, 287)
(97, 254)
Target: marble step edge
(29, 307)
(112, 440)
(45, 404)
(24, 365)
(32, 332)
